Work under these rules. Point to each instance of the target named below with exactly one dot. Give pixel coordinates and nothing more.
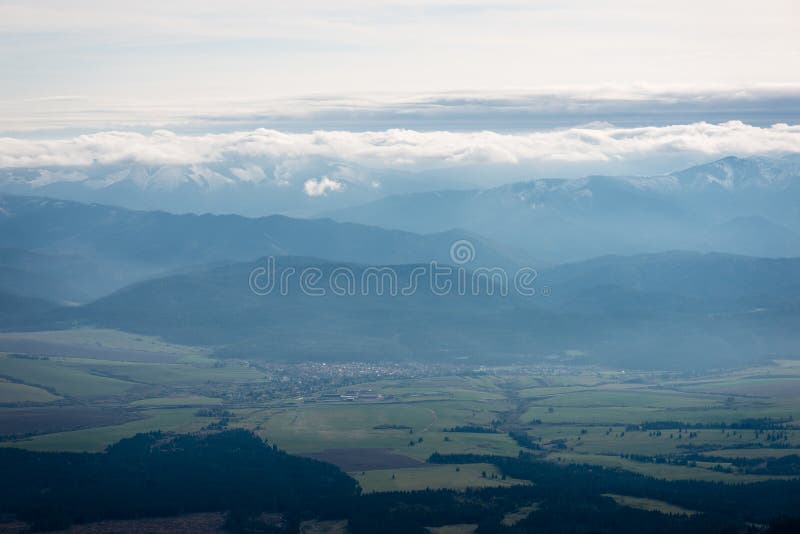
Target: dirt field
(19, 421)
(365, 459)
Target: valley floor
(381, 422)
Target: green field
(666, 472)
(193, 400)
(11, 392)
(68, 378)
(309, 428)
(433, 477)
(98, 438)
(104, 339)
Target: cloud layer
(401, 149)
(503, 111)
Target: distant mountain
(675, 281)
(66, 250)
(734, 173)
(752, 234)
(550, 220)
(54, 277)
(17, 310)
(673, 310)
(252, 187)
(567, 220)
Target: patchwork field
(381, 423)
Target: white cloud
(249, 173)
(320, 188)
(400, 149)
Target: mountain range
(738, 206)
(88, 250)
(251, 187)
(672, 310)
(695, 269)
(703, 208)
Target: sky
(122, 54)
(396, 84)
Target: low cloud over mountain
(401, 149)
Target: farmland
(433, 477)
(382, 422)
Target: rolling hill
(72, 251)
(672, 310)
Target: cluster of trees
(751, 423)
(777, 436)
(573, 493)
(785, 465)
(524, 440)
(570, 511)
(159, 475)
(473, 429)
(216, 411)
(235, 471)
(661, 459)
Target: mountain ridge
(671, 310)
(561, 220)
(121, 245)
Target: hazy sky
(402, 85)
(163, 51)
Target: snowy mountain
(702, 208)
(734, 205)
(250, 187)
